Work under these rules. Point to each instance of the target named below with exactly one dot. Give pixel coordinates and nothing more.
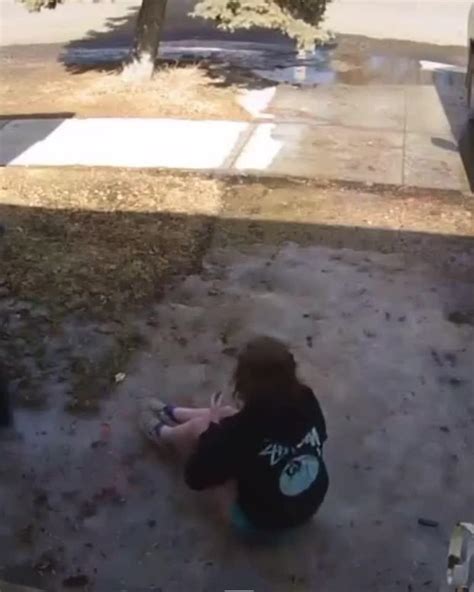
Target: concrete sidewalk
(401, 135)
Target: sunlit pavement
(398, 135)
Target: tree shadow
(75, 246)
(36, 128)
(103, 49)
(185, 41)
(450, 86)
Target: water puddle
(352, 61)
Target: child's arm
(321, 423)
(214, 460)
(319, 415)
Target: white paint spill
(261, 150)
(436, 66)
(166, 143)
(256, 102)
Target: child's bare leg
(187, 433)
(158, 422)
(185, 414)
(182, 438)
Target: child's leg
(184, 414)
(186, 433)
(182, 438)
(171, 414)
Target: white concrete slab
(18, 136)
(120, 142)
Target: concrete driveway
(377, 304)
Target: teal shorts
(241, 522)
(247, 529)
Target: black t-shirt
(275, 456)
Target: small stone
(46, 563)
(120, 377)
(88, 509)
(428, 522)
(459, 317)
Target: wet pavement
(403, 100)
(398, 134)
(438, 137)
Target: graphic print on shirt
(301, 468)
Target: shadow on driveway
(37, 127)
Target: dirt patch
(82, 252)
(435, 226)
(187, 91)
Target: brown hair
(266, 373)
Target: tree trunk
(141, 63)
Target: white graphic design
(311, 438)
(276, 452)
(299, 474)
(300, 470)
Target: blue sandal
(154, 416)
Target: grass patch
(178, 91)
(94, 377)
(85, 254)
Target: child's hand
(216, 401)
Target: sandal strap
(167, 413)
